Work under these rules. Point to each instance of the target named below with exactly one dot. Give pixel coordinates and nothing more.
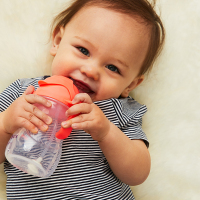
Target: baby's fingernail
(64, 124)
(48, 103)
(35, 130)
(74, 101)
(49, 120)
(44, 127)
(74, 126)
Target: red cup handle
(63, 133)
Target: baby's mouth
(82, 87)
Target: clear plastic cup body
(38, 154)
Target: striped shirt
(83, 171)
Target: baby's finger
(75, 120)
(28, 125)
(82, 126)
(82, 98)
(35, 121)
(33, 98)
(82, 108)
(35, 111)
(29, 90)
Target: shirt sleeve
(133, 127)
(10, 94)
(16, 89)
(127, 115)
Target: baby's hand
(91, 119)
(23, 113)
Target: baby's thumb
(82, 98)
(30, 89)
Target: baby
(105, 47)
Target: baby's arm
(22, 113)
(128, 159)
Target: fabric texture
(83, 171)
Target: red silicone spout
(62, 89)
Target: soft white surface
(171, 92)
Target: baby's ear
(56, 39)
(137, 81)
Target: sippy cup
(39, 154)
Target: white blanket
(171, 92)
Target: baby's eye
(83, 51)
(113, 68)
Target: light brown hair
(138, 8)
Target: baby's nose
(91, 72)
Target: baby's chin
(92, 96)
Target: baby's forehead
(98, 18)
(136, 14)
(93, 9)
(142, 23)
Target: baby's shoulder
(130, 108)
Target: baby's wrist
(107, 136)
(2, 126)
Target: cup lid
(58, 87)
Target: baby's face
(102, 51)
